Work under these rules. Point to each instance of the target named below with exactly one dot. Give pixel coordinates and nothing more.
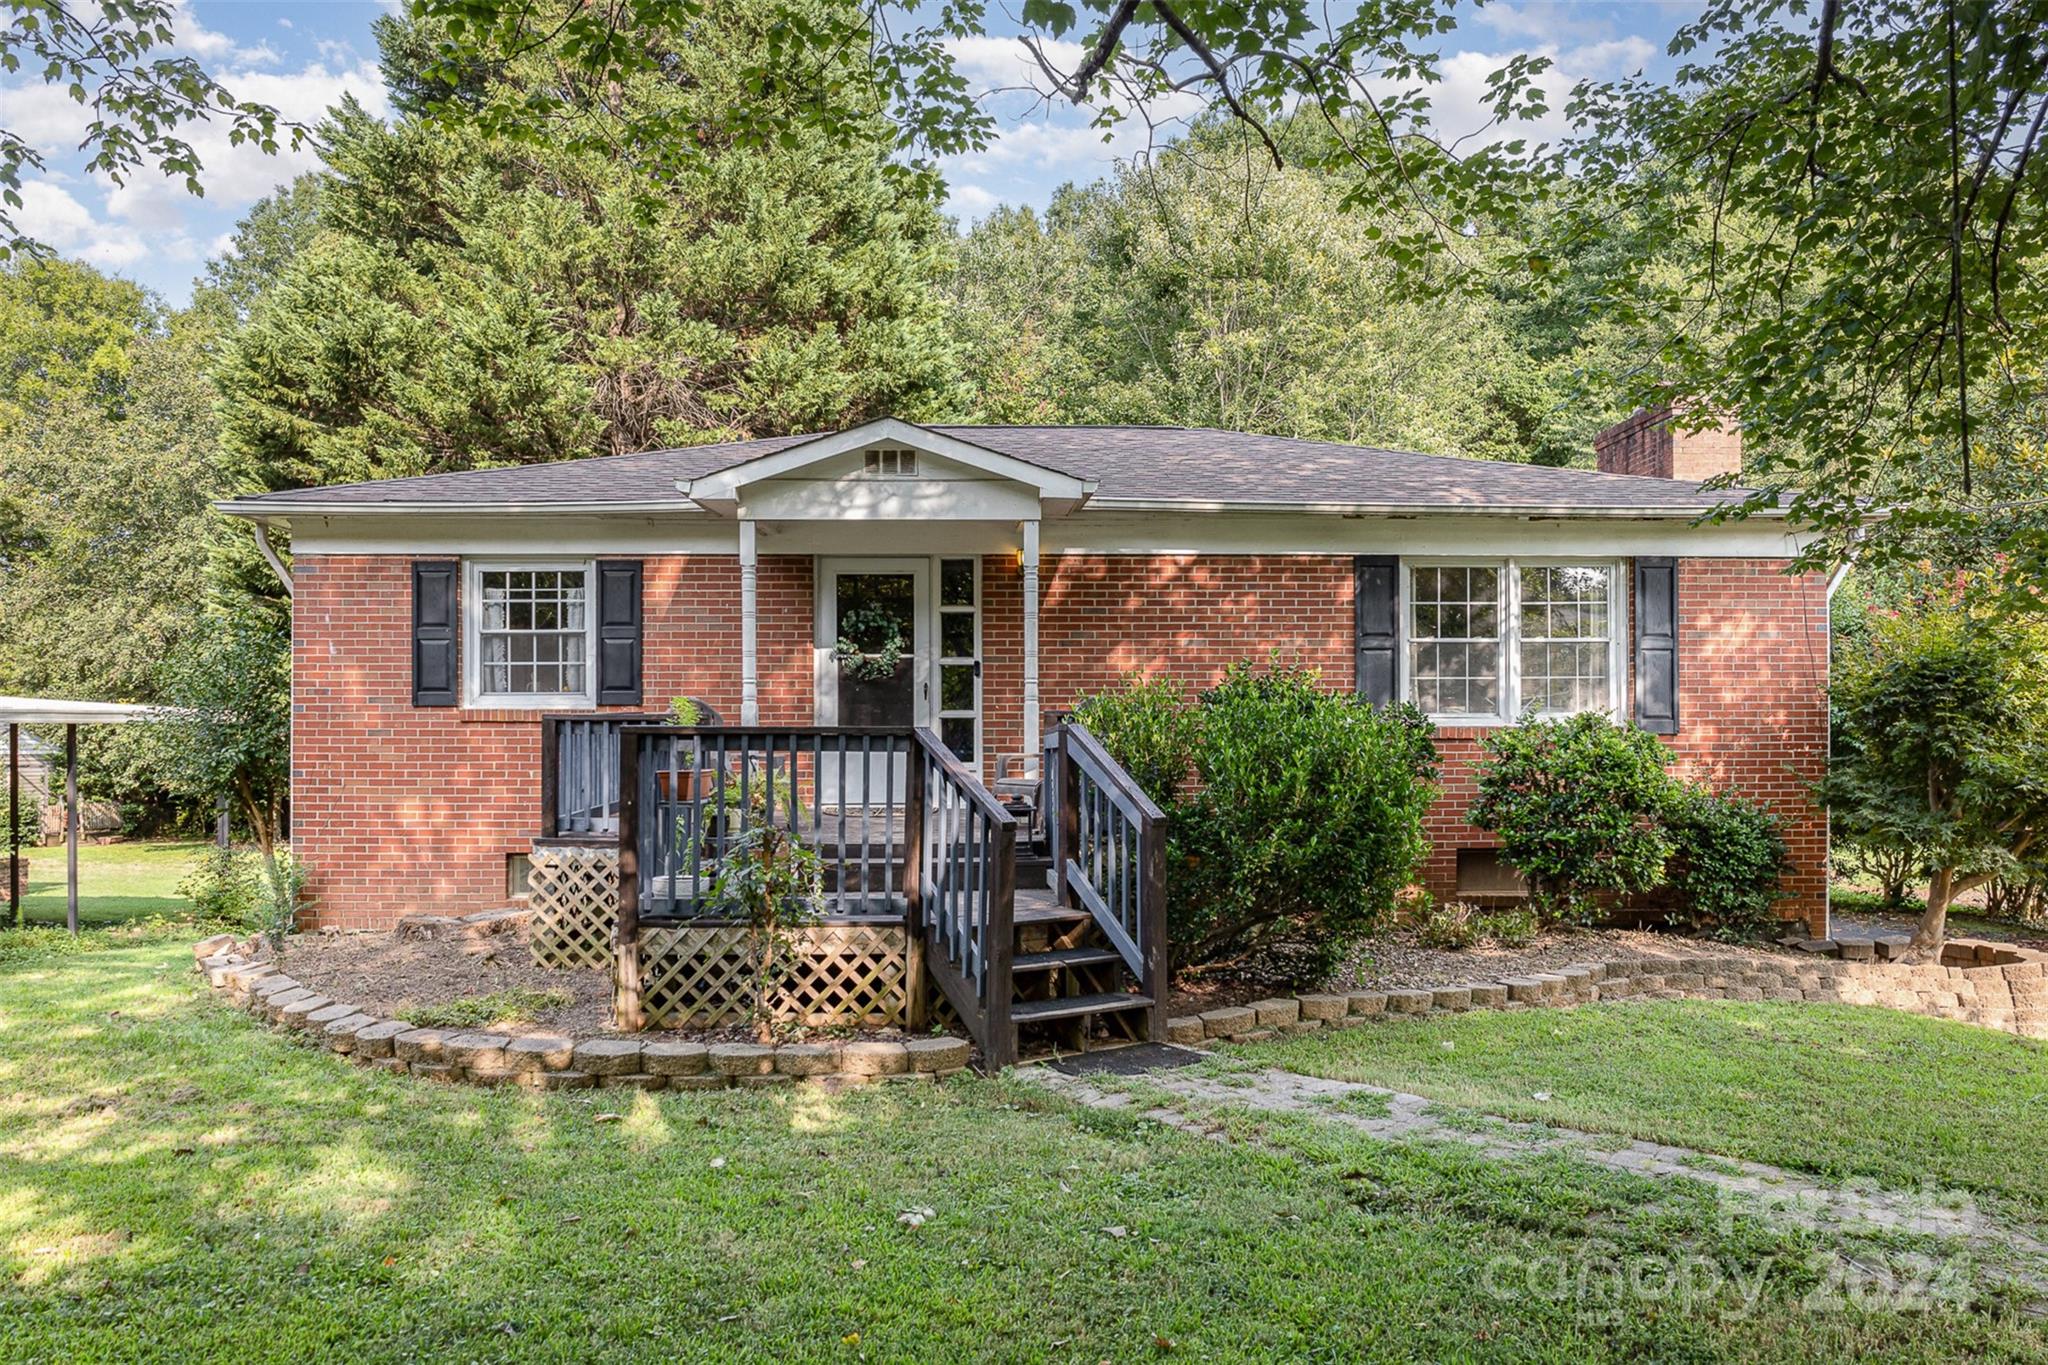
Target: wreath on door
(859, 664)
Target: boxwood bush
(1303, 819)
(1587, 812)
(1579, 804)
(1728, 860)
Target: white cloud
(152, 219)
(51, 216)
(189, 35)
(1459, 102)
(1005, 63)
(971, 201)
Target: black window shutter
(1657, 645)
(618, 632)
(1377, 616)
(436, 633)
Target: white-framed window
(1486, 641)
(959, 655)
(528, 633)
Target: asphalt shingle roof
(1166, 464)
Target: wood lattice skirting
(845, 976)
(574, 894)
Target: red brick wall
(1646, 444)
(400, 809)
(1753, 716)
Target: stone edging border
(2002, 987)
(556, 1061)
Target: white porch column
(1031, 638)
(750, 620)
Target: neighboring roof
(1129, 466)
(52, 711)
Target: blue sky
(303, 57)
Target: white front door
(874, 665)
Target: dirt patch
(387, 975)
(1403, 959)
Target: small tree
(774, 886)
(1580, 806)
(1945, 723)
(228, 727)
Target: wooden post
(1152, 900)
(913, 886)
(551, 777)
(14, 822)
(71, 828)
(629, 1011)
(1001, 1042)
(1069, 843)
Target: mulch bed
(388, 975)
(1399, 958)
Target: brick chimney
(1647, 444)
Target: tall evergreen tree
(470, 300)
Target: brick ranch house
(438, 620)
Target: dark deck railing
(579, 773)
(1109, 856)
(691, 793)
(965, 908)
(903, 831)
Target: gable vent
(892, 462)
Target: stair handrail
(968, 931)
(1131, 912)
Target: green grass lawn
(116, 882)
(178, 1183)
(1833, 1089)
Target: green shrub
(283, 887)
(29, 821)
(1305, 825)
(2018, 894)
(1510, 926)
(1580, 806)
(225, 890)
(774, 887)
(1150, 729)
(1460, 924)
(1730, 858)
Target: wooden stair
(1071, 991)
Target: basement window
(518, 875)
(1481, 873)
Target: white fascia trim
(1409, 509)
(254, 510)
(724, 486)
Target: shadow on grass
(174, 1178)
